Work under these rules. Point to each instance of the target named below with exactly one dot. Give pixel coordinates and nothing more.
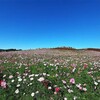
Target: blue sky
(26, 24)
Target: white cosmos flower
(17, 91)
(64, 82)
(12, 81)
(55, 92)
(11, 76)
(31, 78)
(19, 79)
(31, 75)
(26, 67)
(49, 88)
(55, 85)
(37, 92)
(4, 76)
(56, 75)
(74, 70)
(75, 98)
(48, 74)
(45, 64)
(95, 83)
(41, 79)
(23, 93)
(24, 80)
(30, 84)
(84, 89)
(26, 74)
(44, 74)
(32, 94)
(65, 87)
(70, 91)
(99, 81)
(18, 85)
(51, 64)
(65, 98)
(36, 75)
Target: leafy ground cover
(50, 75)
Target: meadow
(45, 74)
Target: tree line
(7, 50)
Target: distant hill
(64, 48)
(70, 48)
(92, 49)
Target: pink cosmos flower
(57, 89)
(73, 65)
(79, 86)
(3, 84)
(72, 81)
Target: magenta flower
(72, 81)
(57, 89)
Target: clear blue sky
(26, 24)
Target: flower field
(50, 75)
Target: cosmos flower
(99, 81)
(72, 81)
(64, 82)
(73, 65)
(65, 98)
(57, 89)
(3, 84)
(74, 69)
(4, 76)
(24, 80)
(44, 74)
(49, 88)
(41, 79)
(95, 83)
(75, 98)
(31, 78)
(11, 76)
(19, 79)
(17, 91)
(79, 86)
(84, 89)
(55, 92)
(18, 85)
(31, 75)
(70, 91)
(37, 92)
(32, 94)
(12, 80)
(30, 83)
(36, 75)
